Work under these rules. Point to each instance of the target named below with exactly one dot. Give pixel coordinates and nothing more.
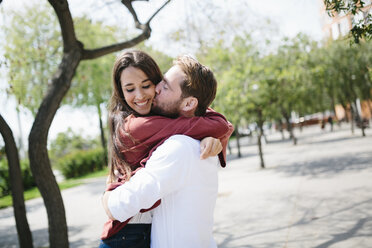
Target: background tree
(240, 96)
(363, 69)
(229, 95)
(163, 60)
(92, 84)
(32, 48)
(351, 76)
(320, 72)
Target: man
(186, 185)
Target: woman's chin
(143, 111)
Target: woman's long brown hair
(119, 109)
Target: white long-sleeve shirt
(187, 187)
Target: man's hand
(105, 198)
(210, 147)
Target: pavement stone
(314, 194)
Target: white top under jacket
(187, 187)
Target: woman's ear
(189, 105)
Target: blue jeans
(131, 236)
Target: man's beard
(171, 109)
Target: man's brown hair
(199, 82)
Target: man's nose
(157, 88)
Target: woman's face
(138, 90)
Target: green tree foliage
(347, 74)
(164, 61)
(91, 87)
(33, 49)
(300, 77)
(92, 84)
(292, 85)
(241, 95)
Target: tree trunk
(363, 129)
(369, 108)
(103, 139)
(280, 123)
(16, 185)
(238, 142)
(38, 154)
(358, 117)
(352, 119)
(290, 129)
(229, 147)
(259, 137)
(361, 123)
(335, 116)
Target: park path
(315, 194)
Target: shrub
(4, 178)
(82, 162)
(27, 178)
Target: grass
(32, 193)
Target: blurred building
(340, 24)
(337, 26)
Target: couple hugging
(164, 142)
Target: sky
(288, 17)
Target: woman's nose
(140, 95)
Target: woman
(135, 134)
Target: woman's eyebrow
(130, 84)
(144, 81)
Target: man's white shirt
(187, 187)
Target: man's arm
(165, 172)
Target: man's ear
(189, 105)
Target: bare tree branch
(63, 13)
(156, 12)
(95, 53)
(128, 4)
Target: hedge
(82, 162)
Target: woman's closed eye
(129, 90)
(146, 86)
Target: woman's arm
(149, 132)
(212, 124)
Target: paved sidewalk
(315, 194)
